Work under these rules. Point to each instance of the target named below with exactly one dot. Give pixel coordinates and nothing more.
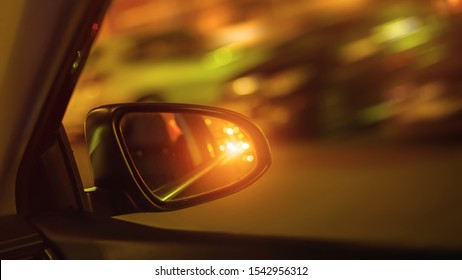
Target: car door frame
(53, 39)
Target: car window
(360, 101)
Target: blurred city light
(314, 68)
(397, 29)
(358, 50)
(245, 85)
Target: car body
(44, 211)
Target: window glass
(361, 102)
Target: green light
(403, 34)
(91, 189)
(414, 40)
(166, 192)
(95, 140)
(375, 113)
(396, 29)
(432, 56)
(76, 63)
(219, 57)
(223, 56)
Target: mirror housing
(121, 187)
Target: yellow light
(250, 158)
(358, 50)
(222, 148)
(236, 148)
(245, 85)
(397, 29)
(211, 150)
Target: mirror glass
(179, 156)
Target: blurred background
(316, 69)
(361, 101)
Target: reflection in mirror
(179, 156)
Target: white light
(229, 131)
(231, 147)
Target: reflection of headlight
(234, 148)
(232, 131)
(245, 85)
(248, 158)
(235, 144)
(238, 149)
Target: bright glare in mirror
(229, 131)
(179, 156)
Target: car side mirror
(160, 157)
